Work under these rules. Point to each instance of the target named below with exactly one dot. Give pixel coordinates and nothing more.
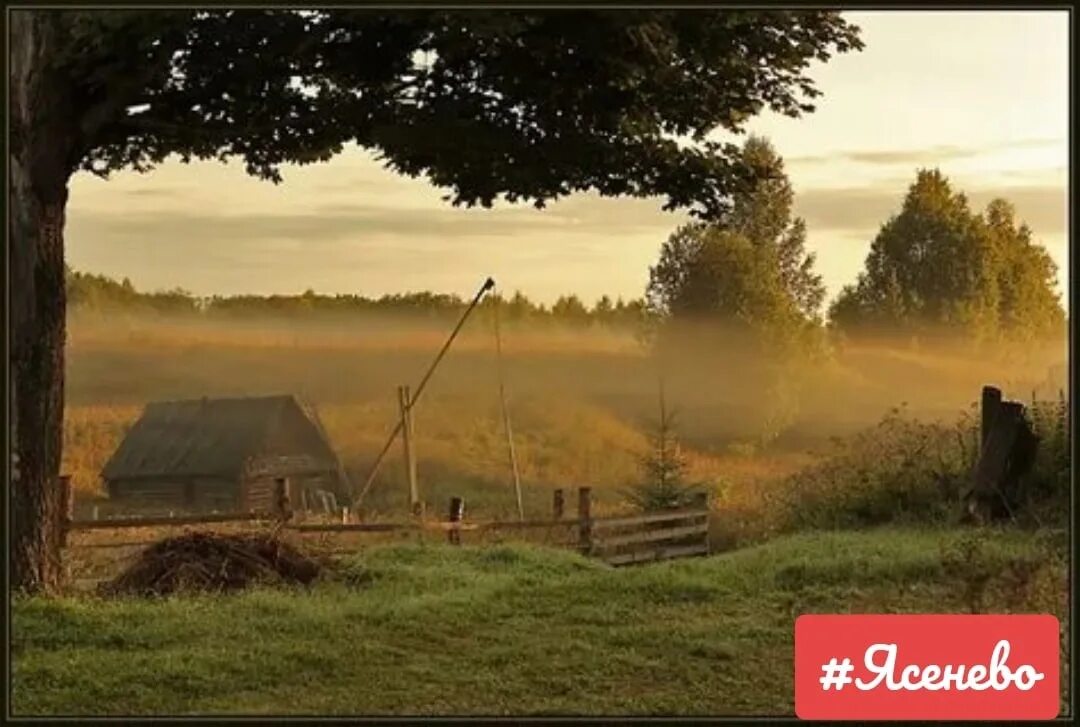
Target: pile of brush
(214, 563)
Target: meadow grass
(424, 629)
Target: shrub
(905, 470)
(1048, 482)
(900, 470)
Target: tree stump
(1007, 453)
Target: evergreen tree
(664, 485)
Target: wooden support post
(409, 445)
(457, 513)
(67, 493)
(558, 505)
(989, 408)
(281, 500)
(511, 452)
(344, 515)
(585, 519)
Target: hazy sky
(982, 95)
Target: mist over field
(582, 401)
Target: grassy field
(426, 629)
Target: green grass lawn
(415, 629)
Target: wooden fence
(645, 538)
(615, 540)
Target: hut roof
(208, 437)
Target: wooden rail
(647, 556)
(143, 522)
(350, 527)
(652, 517)
(650, 536)
(619, 540)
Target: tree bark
(43, 140)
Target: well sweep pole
(488, 285)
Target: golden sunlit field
(582, 402)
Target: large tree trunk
(43, 139)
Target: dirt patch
(214, 563)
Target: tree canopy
(740, 297)
(753, 268)
(938, 268)
(528, 105)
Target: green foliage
(899, 471)
(754, 267)
(526, 105)
(89, 292)
(908, 471)
(938, 268)
(1029, 309)
(763, 213)
(1049, 484)
(989, 580)
(570, 309)
(967, 561)
(99, 292)
(743, 295)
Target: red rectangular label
(928, 667)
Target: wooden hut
(223, 454)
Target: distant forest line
(88, 292)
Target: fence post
(67, 495)
(558, 505)
(1006, 454)
(585, 519)
(701, 500)
(457, 512)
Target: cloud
(587, 244)
(927, 156)
(858, 209)
(155, 192)
(341, 221)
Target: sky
(982, 95)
